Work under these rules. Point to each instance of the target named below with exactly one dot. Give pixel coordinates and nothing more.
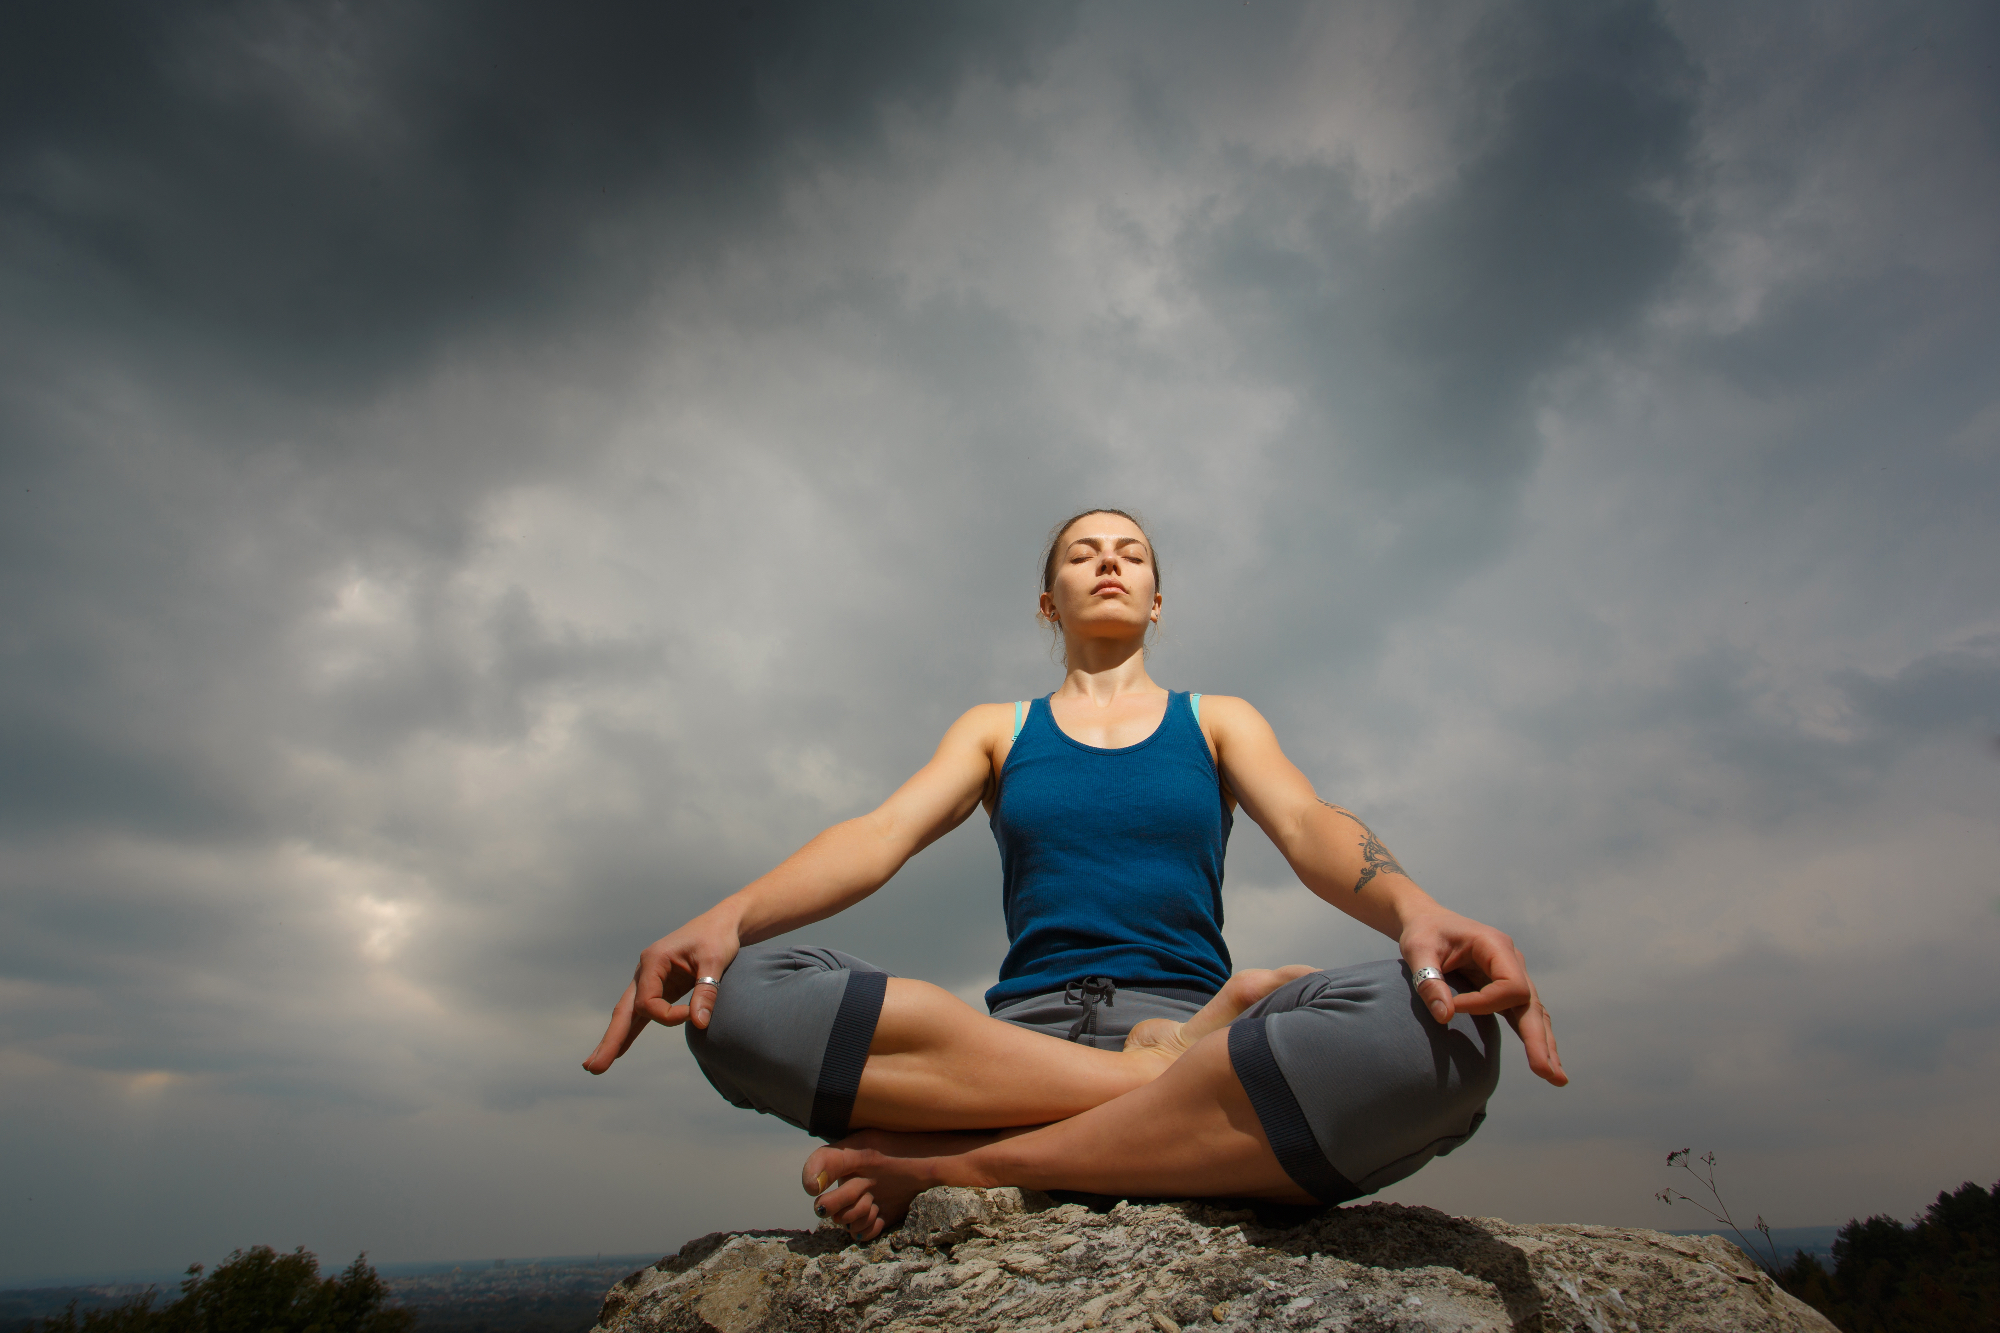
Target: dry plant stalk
(1670, 1194)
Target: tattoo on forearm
(1375, 858)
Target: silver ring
(706, 981)
(1423, 974)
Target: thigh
(790, 1033)
(1378, 1088)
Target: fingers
(1512, 994)
(1537, 1032)
(652, 978)
(701, 999)
(1453, 943)
(1438, 998)
(1431, 989)
(694, 973)
(645, 1001)
(710, 963)
(1490, 958)
(687, 962)
(1499, 996)
(626, 1025)
(1516, 1001)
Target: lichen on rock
(967, 1260)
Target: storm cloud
(482, 483)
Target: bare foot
(1165, 1041)
(866, 1181)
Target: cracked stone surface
(971, 1260)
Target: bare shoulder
(1241, 736)
(1252, 761)
(986, 715)
(1229, 715)
(982, 725)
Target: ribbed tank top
(1111, 860)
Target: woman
(1119, 1055)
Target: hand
(669, 968)
(1449, 942)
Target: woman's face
(1104, 583)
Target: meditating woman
(1119, 1055)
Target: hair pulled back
(1053, 551)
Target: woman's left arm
(1339, 858)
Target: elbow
(884, 847)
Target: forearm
(1339, 858)
(831, 873)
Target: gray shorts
(1355, 1084)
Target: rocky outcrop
(970, 1260)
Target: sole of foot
(1163, 1038)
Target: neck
(1104, 671)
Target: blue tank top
(1111, 860)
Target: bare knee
(919, 1016)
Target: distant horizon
(1786, 1239)
(386, 1269)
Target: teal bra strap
(1017, 719)
(1194, 702)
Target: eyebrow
(1102, 537)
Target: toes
(1249, 987)
(826, 1167)
(845, 1195)
(1244, 989)
(852, 1206)
(818, 1175)
(863, 1221)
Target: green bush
(254, 1291)
(1942, 1272)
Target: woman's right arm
(831, 873)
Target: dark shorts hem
(847, 1054)
(1278, 1110)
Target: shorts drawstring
(1089, 992)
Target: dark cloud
(1414, 346)
(321, 194)
(1422, 337)
(1950, 693)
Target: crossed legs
(1189, 1132)
(951, 1096)
(1357, 1084)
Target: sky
(479, 482)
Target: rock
(971, 1260)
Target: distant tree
(253, 1291)
(1942, 1272)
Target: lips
(1108, 585)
